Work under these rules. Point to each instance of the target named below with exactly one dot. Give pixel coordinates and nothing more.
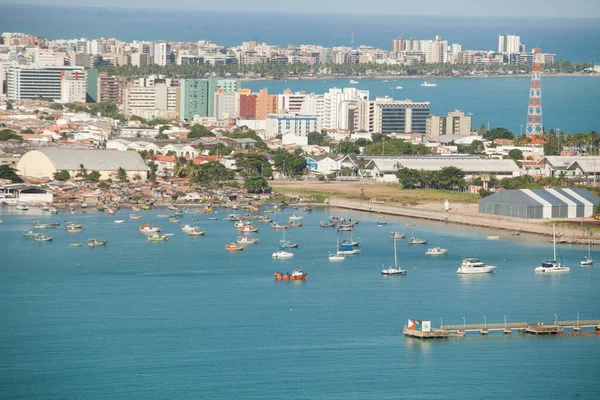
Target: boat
(147, 228)
(263, 220)
(493, 237)
(327, 224)
(275, 225)
(30, 233)
(399, 87)
(196, 232)
(232, 217)
(308, 209)
(282, 254)
(246, 240)
(353, 243)
(136, 208)
(296, 275)
(37, 225)
(384, 81)
(295, 224)
(395, 270)
(249, 229)
(54, 210)
(45, 207)
(42, 238)
(474, 266)
(286, 244)
(172, 208)
(470, 114)
(174, 220)
(119, 221)
(436, 251)
(73, 225)
(426, 84)
(380, 223)
(414, 240)
(187, 228)
(344, 228)
(353, 82)
(163, 216)
(169, 234)
(133, 216)
(347, 250)
(335, 256)
(233, 247)
(516, 234)
(156, 237)
(209, 219)
(74, 230)
(22, 207)
(335, 219)
(76, 244)
(588, 260)
(552, 266)
(295, 217)
(95, 242)
(110, 211)
(100, 207)
(146, 207)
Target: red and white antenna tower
(534, 109)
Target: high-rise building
(111, 89)
(509, 44)
(398, 45)
(139, 60)
(291, 102)
(226, 105)
(455, 123)
(33, 81)
(265, 104)
(247, 106)
(73, 87)
(157, 101)
(385, 115)
(162, 53)
(197, 96)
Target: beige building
(158, 101)
(73, 87)
(455, 123)
(45, 162)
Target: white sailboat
(588, 260)
(552, 266)
(335, 256)
(395, 270)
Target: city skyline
(509, 8)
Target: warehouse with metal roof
(45, 162)
(540, 203)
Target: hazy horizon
(465, 8)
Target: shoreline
(398, 77)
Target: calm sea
(572, 39)
(183, 319)
(570, 103)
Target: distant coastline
(398, 77)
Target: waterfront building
(398, 45)
(45, 162)
(509, 44)
(197, 96)
(34, 81)
(73, 87)
(293, 128)
(455, 123)
(111, 89)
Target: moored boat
(119, 221)
(42, 238)
(325, 224)
(347, 250)
(76, 244)
(295, 224)
(587, 260)
(295, 217)
(474, 266)
(147, 228)
(157, 237)
(275, 225)
(133, 216)
(395, 270)
(264, 220)
(296, 275)
(95, 242)
(245, 240)
(552, 266)
(22, 206)
(233, 247)
(195, 232)
(281, 254)
(397, 235)
(436, 251)
(414, 240)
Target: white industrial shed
(45, 162)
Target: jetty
(421, 329)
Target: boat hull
(476, 270)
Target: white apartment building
(330, 108)
(386, 115)
(162, 52)
(227, 105)
(33, 81)
(158, 101)
(73, 87)
(95, 47)
(510, 44)
(291, 103)
(293, 128)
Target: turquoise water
(184, 319)
(570, 103)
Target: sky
(494, 8)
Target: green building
(197, 96)
(92, 86)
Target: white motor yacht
(474, 266)
(425, 84)
(414, 240)
(282, 254)
(436, 251)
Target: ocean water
(569, 103)
(184, 319)
(572, 39)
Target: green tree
(158, 121)
(7, 134)
(55, 106)
(220, 150)
(515, 154)
(498, 133)
(122, 175)
(8, 172)
(362, 142)
(289, 163)
(198, 131)
(252, 164)
(162, 136)
(395, 147)
(347, 147)
(28, 130)
(247, 134)
(408, 178)
(93, 176)
(210, 173)
(163, 128)
(256, 184)
(315, 138)
(138, 118)
(153, 168)
(449, 177)
(62, 176)
(9, 106)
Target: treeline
(278, 70)
(445, 178)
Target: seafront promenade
(465, 215)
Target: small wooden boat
(174, 220)
(76, 244)
(147, 228)
(275, 225)
(30, 233)
(172, 208)
(327, 224)
(264, 220)
(381, 223)
(233, 247)
(210, 219)
(232, 217)
(249, 229)
(195, 232)
(397, 235)
(268, 211)
(308, 209)
(295, 224)
(414, 240)
(245, 240)
(133, 216)
(42, 238)
(158, 238)
(296, 275)
(344, 228)
(95, 242)
(295, 217)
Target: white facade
(162, 52)
(227, 105)
(158, 101)
(33, 81)
(509, 44)
(293, 128)
(73, 87)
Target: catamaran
(552, 266)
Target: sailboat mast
(395, 256)
(554, 240)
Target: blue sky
(523, 8)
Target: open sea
(183, 319)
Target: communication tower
(534, 109)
